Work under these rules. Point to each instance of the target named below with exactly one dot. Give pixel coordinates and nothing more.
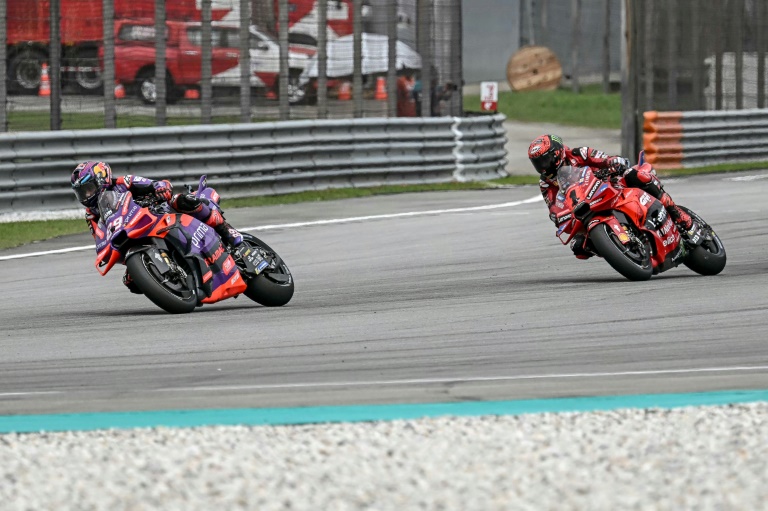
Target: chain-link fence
(693, 55)
(584, 34)
(700, 54)
(110, 63)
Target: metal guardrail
(699, 138)
(257, 158)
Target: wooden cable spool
(534, 68)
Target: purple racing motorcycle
(180, 263)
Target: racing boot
(689, 228)
(228, 234)
(212, 217)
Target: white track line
(317, 222)
(467, 380)
(15, 394)
(457, 379)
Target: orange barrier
(45, 82)
(662, 139)
(381, 89)
(191, 94)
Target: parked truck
(82, 33)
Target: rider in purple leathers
(90, 178)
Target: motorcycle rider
(91, 178)
(548, 154)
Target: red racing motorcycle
(629, 228)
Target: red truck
(82, 32)
(135, 55)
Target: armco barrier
(258, 158)
(699, 138)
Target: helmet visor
(85, 191)
(545, 164)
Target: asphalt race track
(475, 304)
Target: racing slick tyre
(274, 286)
(632, 260)
(709, 257)
(173, 293)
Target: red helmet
(547, 154)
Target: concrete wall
(491, 36)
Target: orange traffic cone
(119, 91)
(345, 91)
(45, 82)
(381, 89)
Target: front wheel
(708, 258)
(274, 286)
(173, 291)
(632, 260)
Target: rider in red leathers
(548, 154)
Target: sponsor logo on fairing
(645, 199)
(593, 190)
(262, 265)
(668, 240)
(563, 218)
(228, 264)
(666, 227)
(199, 235)
(216, 255)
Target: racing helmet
(547, 155)
(89, 179)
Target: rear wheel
(709, 257)
(274, 286)
(632, 260)
(173, 291)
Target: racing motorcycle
(180, 263)
(629, 228)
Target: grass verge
(590, 108)
(41, 121)
(20, 233)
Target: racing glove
(163, 189)
(91, 217)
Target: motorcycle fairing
(201, 244)
(124, 219)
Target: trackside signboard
(489, 96)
